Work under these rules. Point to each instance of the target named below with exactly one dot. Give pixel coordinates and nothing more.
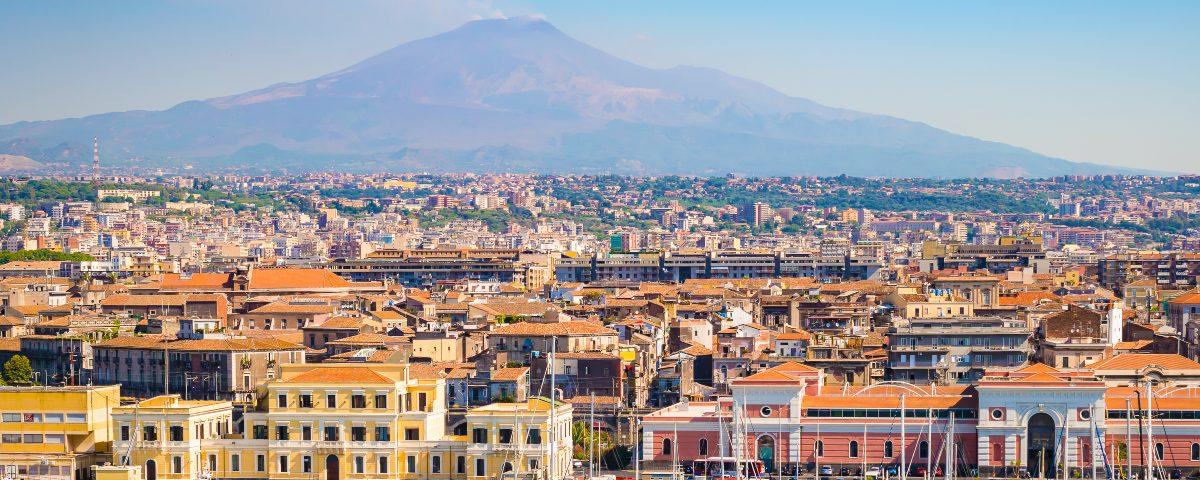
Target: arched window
(704, 446)
(924, 450)
(853, 449)
(666, 450)
(820, 448)
(1158, 451)
(1196, 451)
(887, 449)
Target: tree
(18, 371)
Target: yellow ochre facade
(53, 432)
(343, 421)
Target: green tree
(18, 371)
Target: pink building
(1033, 418)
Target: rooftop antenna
(95, 161)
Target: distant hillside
(519, 95)
(18, 163)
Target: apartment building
(955, 350)
(343, 421)
(55, 433)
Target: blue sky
(1105, 82)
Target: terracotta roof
(341, 323)
(32, 265)
(340, 375)
(509, 374)
(295, 278)
(800, 335)
(369, 339)
(1137, 361)
(543, 329)
(159, 342)
(127, 300)
(295, 307)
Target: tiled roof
(295, 278)
(1137, 361)
(341, 376)
(543, 329)
(284, 307)
(509, 374)
(160, 342)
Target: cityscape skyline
(1139, 70)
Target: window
(421, 400)
(479, 435)
(360, 465)
(435, 464)
(480, 467)
(260, 463)
(460, 466)
(666, 446)
(533, 464)
(330, 400)
(305, 401)
(819, 447)
(212, 463)
(383, 434)
(281, 432)
(765, 411)
(283, 464)
(54, 418)
(331, 434)
(1085, 414)
(259, 432)
(281, 400)
(381, 400)
(32, 438)
(703, 447)
(306, 432)
(997, 414)
(1158, 451)
(149, 433)
(412, 464)
(506, 435)
(853, 449)
(306, 464)
(124, 432)
(887, 449)
(358, 434)
(358, 401)
(10, 438)
(534, 437)
(924, 449)
(382, 464)
(412, 434)
(12, 418)
(176, 464)
(1196, 451)
(235, 462)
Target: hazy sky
(1105, 82)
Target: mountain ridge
(520, 95)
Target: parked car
(874, 472)
(826, 470)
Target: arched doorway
(766, 452)
(1040, 455)
(151, 470)
(331, 468)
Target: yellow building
(346, 421)
(55, 432)
(167, 435)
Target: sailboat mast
(903, 443)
